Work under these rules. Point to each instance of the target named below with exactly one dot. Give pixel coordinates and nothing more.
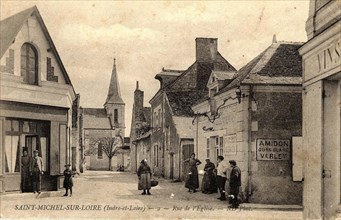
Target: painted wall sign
(273, 149)
(323, 61)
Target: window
(219, 143)
(116, 116)
(12, 154)
(100, 151)
(160, 118)
(208, 148)
(29, 64)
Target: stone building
(105, 123)
(140, 131)
(36, 101)
(251, 116)
(321, 111)
(172, 133)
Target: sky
(145, 36)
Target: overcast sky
(146, 36)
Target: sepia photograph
(170, 109)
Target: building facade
(99, 125)
(251, 116)
(321, 111)
(172, 133)
(36, 101)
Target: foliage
(110, 145)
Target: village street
(104, 194)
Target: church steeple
(114, 93)
(114, 105)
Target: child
(68, 182)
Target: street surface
(104, 194)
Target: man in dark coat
(36, 170)
(235, 183)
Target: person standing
(68, 182)
(221, 177)
(144, 174)
(235, 183)
(36, 170)
(208, 182)
(192, 182)
(25, 172)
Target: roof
(96, 112)
(222, 75)
(10, 27)
(181, 101)
(279, 61)
(114, 93)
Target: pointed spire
(274, 40)
(114, 93)
(137, 85)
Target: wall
(278, 116)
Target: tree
(110, 146)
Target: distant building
(107, 122)
(36, 102)
(140, 131)
(321, 111)
(251, 116)
(172, 133)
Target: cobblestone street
(115, 195)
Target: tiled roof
(281, 60)
(97, 112)
(181, 102)
(10, 27)
(222, 75)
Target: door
(31, 144)
(171, 166)
(187, 150)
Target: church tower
(114, 105)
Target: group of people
(215, 178)
(33, 169)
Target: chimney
(206, 49)
(274, 40)
(138, 103)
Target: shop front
(28, 127)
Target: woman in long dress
(25, 172)
(192, 180)
(144, 174)
(209, 182)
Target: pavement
(108, 194)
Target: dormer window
(29, 64)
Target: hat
(36, 151)
(67, 165)
(207, 159)
(233, 162)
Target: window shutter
(297, 159)
(54, 148)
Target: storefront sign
(273, 149)
(324, 60)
